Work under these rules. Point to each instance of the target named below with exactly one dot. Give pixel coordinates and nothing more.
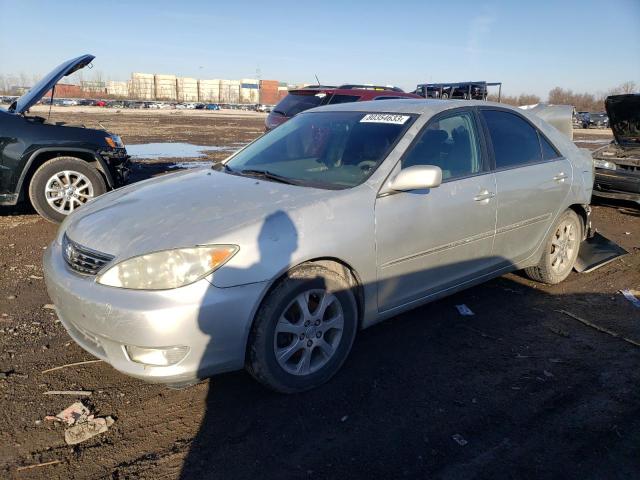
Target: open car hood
(47, 82)
(624, 118)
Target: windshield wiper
(268, 175)
(279, 112)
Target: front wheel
(62, 185)
(304, 330)
(561, 250)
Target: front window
(323, 149)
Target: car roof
(362, 92)
(409, 105)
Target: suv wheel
(561, 250)
(62, 185)
(304, 330)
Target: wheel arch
(42, 155)
(584, 214)
(329, 262)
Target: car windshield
(294, 103)
(323, 149)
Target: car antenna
(317, 79)
(53, 92)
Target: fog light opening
(159, 357)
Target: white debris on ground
(82, 425)
(631, 296)
(464, 310)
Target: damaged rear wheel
(561, 250)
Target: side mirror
(418, 177)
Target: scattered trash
(600, 329)
(85, 430)
(81, 424)
(36, 277)
(71, 365)
(76, 412)
(344, 419)
(627, 233)
(11, 297)
(629, 295)
(464, 310)
(49, 306)
(28, 467)
(459, 439)
(79, 393)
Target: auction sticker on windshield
(385, 118)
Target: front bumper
(213, 322)
(617, 184)
(118, 161)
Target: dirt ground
(519, 390)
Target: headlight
(604, 164)
(114, 141)
(168, 268)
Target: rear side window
(515, 142)
(343, 99)
(294, 103)
(548, 150)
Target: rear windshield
(324, 149)
(294, 103)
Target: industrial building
(170, 88)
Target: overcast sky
(530, 46)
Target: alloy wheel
(67, 190)
(308, 332)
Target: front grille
(82, 259)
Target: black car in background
(57, 167)
(461, 90)
(598, 120)
(618, 164)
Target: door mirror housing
(418, 177)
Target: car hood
(624, 118)
(36, 92)
(183, 209)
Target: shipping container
(117, 89)
(234, 91)
(269, 92)
(186, 89)
(64, 90)
(209, 90)
(142, 86)
(249, 90)
(165, 87)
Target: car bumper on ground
(212, 323)
(617, 184)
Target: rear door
(532, 181)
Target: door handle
(561, 177)
(484, 195)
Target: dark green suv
(56, 167)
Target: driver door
(431, 240)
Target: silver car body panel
(405, 249)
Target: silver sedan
(340, 218)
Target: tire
(444, 96)
(564, 238)
(282, 337)
(56, 174)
